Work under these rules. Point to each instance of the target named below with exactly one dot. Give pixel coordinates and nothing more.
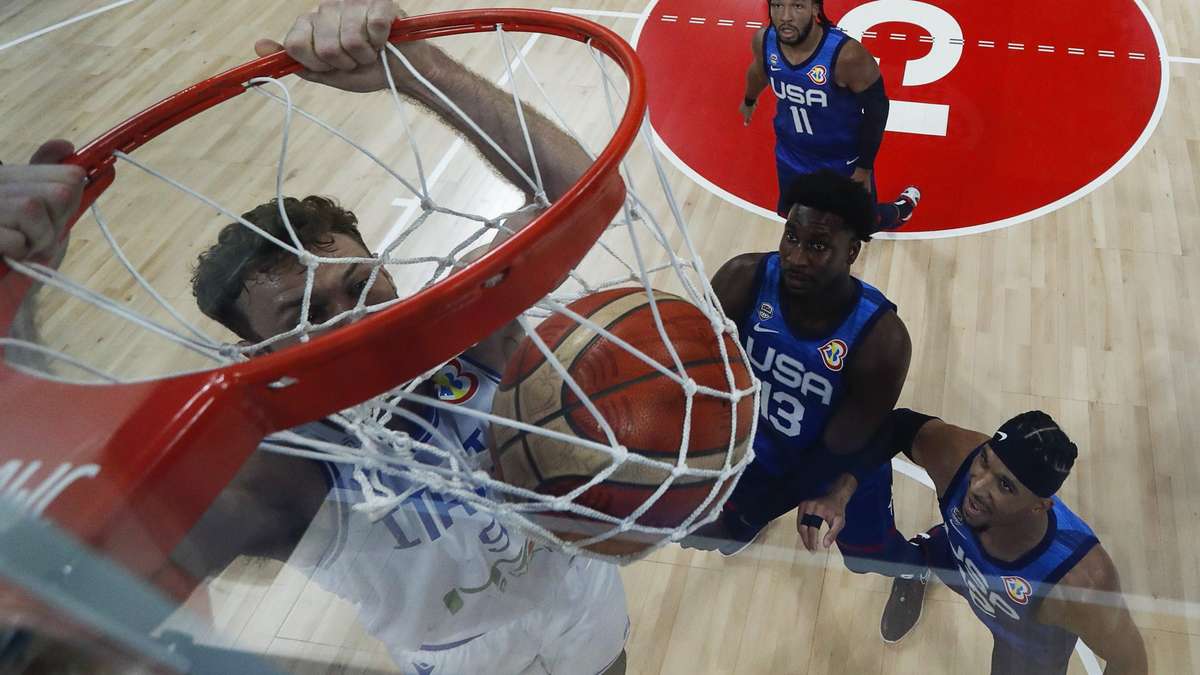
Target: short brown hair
(240, 253)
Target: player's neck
(818, 312)
(1010, 542)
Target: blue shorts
(761, 497)
(788, 172)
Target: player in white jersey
(445, 586)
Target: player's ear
(852, 253)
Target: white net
(395, 442)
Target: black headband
(1020, 446)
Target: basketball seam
(563, 337)
(565, 410)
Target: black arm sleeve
(874, 102)
(894, 436)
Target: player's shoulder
(887, 340)
(1095, 572)
(734, 282)
(739, 269)
(758, 38)
(855, 64)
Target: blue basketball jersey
(1006, 595)
(817, 122)
(802, 382)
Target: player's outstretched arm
(875, 376)
(1088, 602)
(756, 78)
(264, 511)
(339, 46)
(857, 70)
(932, 444)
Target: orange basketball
(644, 407)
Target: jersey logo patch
(819, 74)
(1018, 589)
(765, 311)
(833, 353)
(774, 59)
(453, 385)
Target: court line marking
(64, 23)
(869, 34)
(1121, 163)
(1183, 59)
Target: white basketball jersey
(434, 571)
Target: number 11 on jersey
(800, 117)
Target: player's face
(994, 496)
(816, 251)
(793, 19)
(272, 300)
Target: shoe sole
(916, 623)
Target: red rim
(164, 449)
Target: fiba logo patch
(774, 59)
(1018, 589)
(833, 353)
(453, 385)
(819, 74)
(765, 311)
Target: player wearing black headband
(1032, 570)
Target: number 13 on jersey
(781, 409)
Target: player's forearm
(755, 82)
(1126, 655)
(559, 158)
(875, 106)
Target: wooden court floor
(1091, 312)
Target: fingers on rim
(13, 243)
(327, 38)
(56, 197)
(52, 151)
(299, 45)
(33, 221)
(353, 34)
(380, 15)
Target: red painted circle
(1027, 129)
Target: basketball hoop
(161, 450)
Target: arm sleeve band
(895, 435)
(874, 102)
(906, 424)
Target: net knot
(690, 387)
(307, 259)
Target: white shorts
(580, 631)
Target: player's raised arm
(339, 46)
(756, 78)
(857, 70)
(1088, 602)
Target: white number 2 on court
(909, 117)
